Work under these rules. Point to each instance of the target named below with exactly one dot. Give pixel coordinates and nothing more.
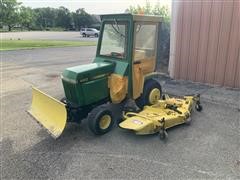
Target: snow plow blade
(49, 112)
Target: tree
(63, 18)
(45, 17)
(9, 13)
(159, 10)
(81, 18)
(26, 17)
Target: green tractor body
(87, 84)
(122, 69)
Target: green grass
(32, 44)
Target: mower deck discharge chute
(48, 112)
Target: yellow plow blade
(49, 112)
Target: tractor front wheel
(100, 120)
(151, 93)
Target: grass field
(32, 44)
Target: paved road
(47, 35)
(209, 148)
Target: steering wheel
(117, 54)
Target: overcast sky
(92, 6)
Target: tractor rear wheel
(100, 120)
(152, 92)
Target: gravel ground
(209, 148)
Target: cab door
(144, 53)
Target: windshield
(114, 39)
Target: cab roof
(134, 17)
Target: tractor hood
(87, 72)
(87, 84)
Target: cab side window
(145, 46)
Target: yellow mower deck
(49, 112)
(162, 115)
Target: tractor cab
(131, 43)
(123, 69)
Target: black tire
(198, 107)
(94, 118)
(96, 35)
(84, 35)
(149, 85)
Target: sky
(92, 6)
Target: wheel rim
(105, 121)
(154, 96)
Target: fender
(153, 75)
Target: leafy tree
(81, 18)
(26, 17)
(162, 11)
(63, 18)
(45, 17)
(9, 13)
(159, 10)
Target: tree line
(13, 14)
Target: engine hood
(83, 73)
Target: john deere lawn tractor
(121, 72)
